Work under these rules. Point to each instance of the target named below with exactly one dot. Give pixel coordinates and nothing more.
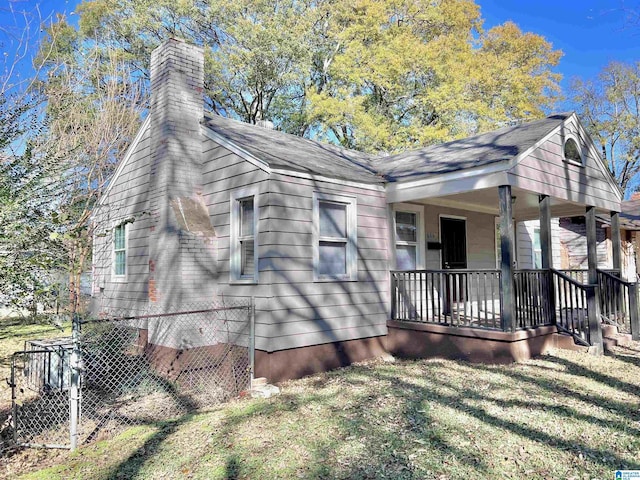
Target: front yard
(566, 415)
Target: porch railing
(447, 297)
(618, 300)
(582, 275)
(532, 289)
(471, 298)
(572, 313)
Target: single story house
(347, 255)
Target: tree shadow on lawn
(393, 460)
(415, 431)
(626, 354)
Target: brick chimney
(176, 255)
(177, 79)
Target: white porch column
(507, 320)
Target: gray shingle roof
(283, 150)
(279, 149)
(496, 146)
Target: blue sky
(591, 33)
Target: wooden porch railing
(572, 303)
(619, 302)
(532, 293)
(447, 297)
(471, 298)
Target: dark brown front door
(453, 237)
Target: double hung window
(120, 252)
(409, 237)
(243, 238)
(335, 249)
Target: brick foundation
(227, 364)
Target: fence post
(14, 404)
(74, 391)
(634, 313)
(252, 339)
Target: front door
(453, 238)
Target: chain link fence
(122, 370)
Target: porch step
(567, 342)
(611, 337)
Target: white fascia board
(233, 147)
(125, 160)
(448, 183)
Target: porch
(472, 300)
(504, 313)
(462, 269)
(435, 294)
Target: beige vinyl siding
(304, 312)
(128, 198)
(545, 171)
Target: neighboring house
(206, 207)
(570, 242)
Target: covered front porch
(466, 277)
(459, 275)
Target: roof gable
(544, 169)
(125, 159)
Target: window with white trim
(335, 237)
(408, 237)
(244, 237)
(120, 251)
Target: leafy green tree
(376, 75)
(608, 105)
(409, 73)
(257, 51)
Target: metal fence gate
(119, 371)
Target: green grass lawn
(567, 415)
